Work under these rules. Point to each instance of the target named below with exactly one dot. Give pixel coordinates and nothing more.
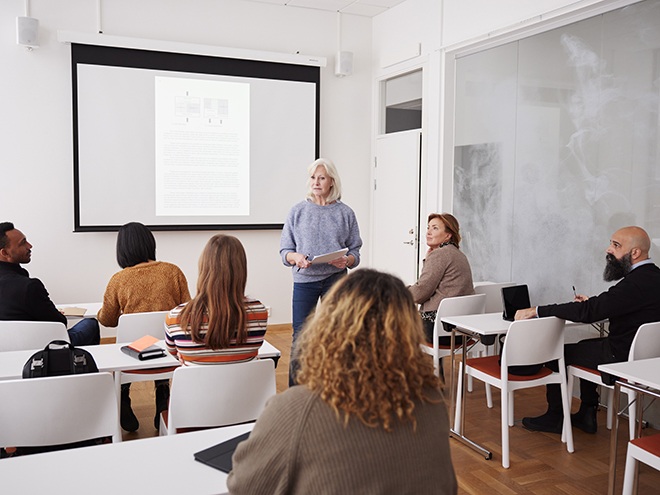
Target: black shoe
(127, 418)
(162, 402)
(585, 418)
(550, 422)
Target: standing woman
(445, 273)
(320, 224)
(142, 286)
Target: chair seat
(651, 444)
(490, 365)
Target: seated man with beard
(633, 301)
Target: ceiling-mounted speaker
(343, 64)
(27, 31)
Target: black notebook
(151, 352)
(219, 456)
(513, 299)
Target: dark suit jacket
(24, 298)
(633, 301)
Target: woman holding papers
(319, 225)
(143, 285)
(220, 325)
(368, 417)
(445, 273)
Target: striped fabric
(179, 342)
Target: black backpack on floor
(59, 358)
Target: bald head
(633, 240)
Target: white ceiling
(367, 8)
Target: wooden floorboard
(540, 463)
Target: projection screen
(189, 142)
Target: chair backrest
(533, 341)
(57, 410)
(493, 293)
(133, 326)
(26, 335)
(646, 343)
(462, 305)
(220, 395)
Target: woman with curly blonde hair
(368, 415)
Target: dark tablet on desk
(219, 456)
(513, 299)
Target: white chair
(493, 293)
(527, 342)
(133, 326)
(26, 335)
(646, 450)
(58, 410)
(645, 345)
(205, 396)
(451, 306)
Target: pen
(574, 293)
(306, 256)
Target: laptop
(219, 456)
(513, 299)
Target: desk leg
(613, 441)
(458, 435)
(451, 378)
(638, 433)
(463, 386)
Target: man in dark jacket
(26, 299)
(630, 303)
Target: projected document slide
(202, 147)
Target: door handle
(409, 242)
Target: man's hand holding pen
(579, 297)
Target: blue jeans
(85, 332)
(305, 298)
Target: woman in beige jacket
(445, 273)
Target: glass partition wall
(556, 147)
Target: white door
(396, 204)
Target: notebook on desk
(513, 299)
(219, 456)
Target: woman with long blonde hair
(368, 416)
(220, 325)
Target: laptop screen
(513, 299)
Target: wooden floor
(540, 463)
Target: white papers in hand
(325, 258)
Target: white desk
(474, 326)
(644, 373)
(161, 465)
(92, 309)
(109, 357)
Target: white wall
(36, 137)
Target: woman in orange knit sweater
(143, 285)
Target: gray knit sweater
(299, 446)
(314, 230)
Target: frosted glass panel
(484, 157)
(556, 148)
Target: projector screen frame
(151, 59)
